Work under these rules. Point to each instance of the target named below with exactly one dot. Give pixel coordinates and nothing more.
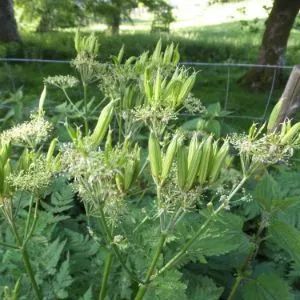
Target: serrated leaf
(267, 286)
(52, 255)
(63, 280)
(222, 236)
(88, 295)
(167, 286)
(203, 288)
(286, 237)
(266, 191)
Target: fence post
(290, 97)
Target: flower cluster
(28, 133)
(62, 82)
(101, 177)
(266, 150)
(34, 179)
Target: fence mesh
(217, 82)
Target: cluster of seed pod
(198, 163)
(290, 134)
(129, 170)
(164, 92)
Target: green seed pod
(155, 156)
(120, 182)
(147, 87)
(274, 115)
(51, 149)
(194, 144)
(169, 158)
(182, 166)
(292, 134)
(157, 87)
(6, 172)
(42, 101)
(193, 166)
(206, 156)
(102, 124)
(128, 175)
(218, 162)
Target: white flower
(29, 133)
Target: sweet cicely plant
(165, 208)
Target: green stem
(235, 287)
(143, 287)
(86, 126)
(107, 268)
(9, 245)
(28, 215)
(71, 102)
(250, 257)
(114, 246)
(27, 264)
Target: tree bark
(274, 43)
(44, 24)
(115, 23)
(8, 25)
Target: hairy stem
(247, 262)
(107, 268)
(143, 287)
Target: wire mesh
(217, 82)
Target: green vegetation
(116, 196)
(218, 43)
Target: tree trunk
(44, 23)
(115, 23)
(274, 43)
(8, 25)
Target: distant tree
(8, 25)
(114, 11)
(274, 42)
(51, 14)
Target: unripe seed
(155, 156)
(182, 166)
(292, 134)
(193, 167)
(51, 150)
(169, 158)
(219, 161)
(274, 115)
(102, 124)
(206, 155)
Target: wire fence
(217, 83)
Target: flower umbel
(28, 133)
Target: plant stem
(71, 102)
(114, 247)
(26, 261)
(107, 268)
(252, 254)
(86, 126)
(143, 287)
